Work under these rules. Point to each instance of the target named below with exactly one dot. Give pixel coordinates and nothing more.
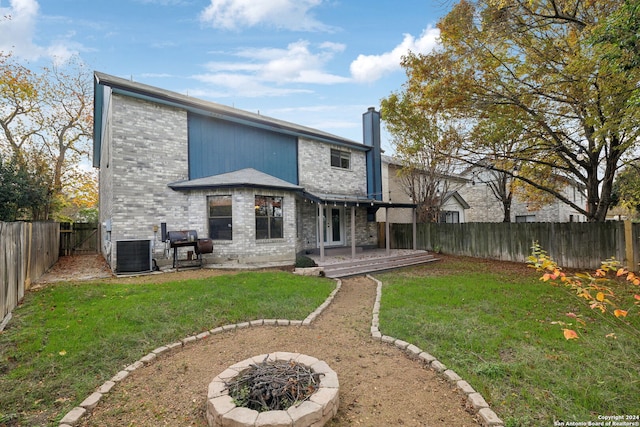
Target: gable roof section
(198, 106)
(457, 197)
(248, 177)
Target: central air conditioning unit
(133, 256)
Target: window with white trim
(525, 218)
(269, 219)
(450, 217)
(340, 159)
(220, 217)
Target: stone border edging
(488, 418)
(74, 416)
(317, 410)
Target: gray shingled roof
(217, 110)
(253, 178)
(248, 177)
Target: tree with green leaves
(626, 188)
(536, 64)
(24, 194)
(619, 37)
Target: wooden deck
(365, 262)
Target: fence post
(628, 244)
(28, 244)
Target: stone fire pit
(319, 408)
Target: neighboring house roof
(206, 108)
(458, 198)
(396, 162)
(248, 177)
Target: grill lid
(182, 237)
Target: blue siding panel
(217, 146)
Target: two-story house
(486, 207)
(262, 189)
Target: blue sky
(318, 63)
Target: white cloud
(17, 24)
(17, 28)
(338, 119)
(60, 52)
(262, 68)
(368, 68)
(322, 116)
(283, 14)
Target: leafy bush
(305, 262)
(598, 289)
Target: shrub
(598, 289)
(303, 261)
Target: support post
(386, 230)
(321, 231)
(415, 231)
(353, 232)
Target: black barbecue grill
(186, 239)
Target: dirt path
(379, 384)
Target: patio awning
(352, 200)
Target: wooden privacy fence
(27, 250)
(571, 244)
(78, 238)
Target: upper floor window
(220, 217)
(340, 159)
(525, 218)
(269, 222)
(450, 217)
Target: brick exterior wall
(317, 175)
(483, 205)
(244, 247)
(145, 149)
(486, 208)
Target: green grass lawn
(495, 325)
(67, 339)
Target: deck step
(367, 265)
